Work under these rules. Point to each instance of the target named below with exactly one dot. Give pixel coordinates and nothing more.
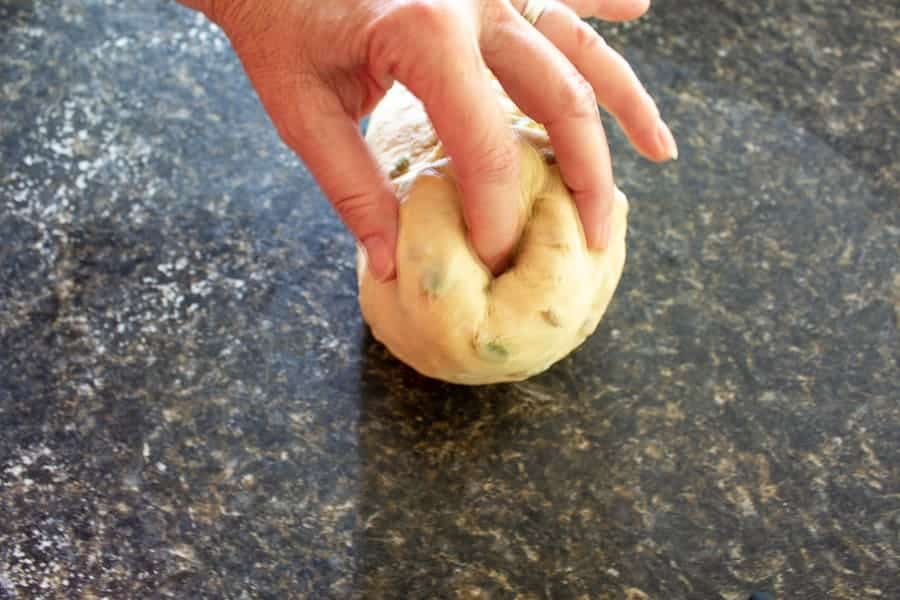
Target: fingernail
(666, 140)
(378, 257)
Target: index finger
(609, 10)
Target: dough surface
(445, 315)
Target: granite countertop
(191, 407)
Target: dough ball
(445, 315)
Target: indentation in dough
(552, 317)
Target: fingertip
(655, 143)
(595, 211)
(379, 257)
(494, 232)
(641, 7)
(597, 236)
(668, 147)
(611, 10)
(628, 10)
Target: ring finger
(615, 83)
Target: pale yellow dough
(445, 315)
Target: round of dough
(445, 315)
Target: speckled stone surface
(190, 406)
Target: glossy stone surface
(190, 406)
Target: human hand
(319, 67)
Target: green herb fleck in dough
(496, 351)
(400, 167)
(431, 281)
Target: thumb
(329, 142)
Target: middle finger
(617, 86)
(547, 87)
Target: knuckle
(295, 124)
(587, 39)
(496, 161)
(354, 209)
(421, 28)
(293, 131)
(425, 17)
(500, 15)
(291, 135)
(577, 97)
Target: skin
(320, 67)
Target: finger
(467, 117)
(609, 10)
(313, 123)
(617, 86)
(547, 87)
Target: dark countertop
(190, 406)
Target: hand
(320, 66)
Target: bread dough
(445, 315)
